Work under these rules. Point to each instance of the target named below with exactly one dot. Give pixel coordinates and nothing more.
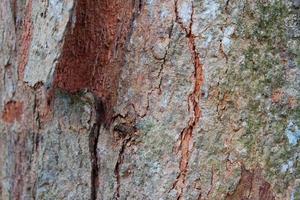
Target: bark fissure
(158, 76)
(211, 181)
(118, 167)
(193, 99)
(93, 141)
(164, 59)
(126, 132)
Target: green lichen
(73, 99)
(270, 27)
(262, 72)
(262, 60)
(264, 23)
(298, 56)
(146, 125)
(154, 139)
(296, 194)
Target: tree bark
(149, 99)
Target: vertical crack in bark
(37, 127)
(126, 131)
(93, 141)
(211, 181)
(193, 98)
(164, 59)
(158, 76)
(118, 167)
(221, 46)
(222, 51)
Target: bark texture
(150, 99)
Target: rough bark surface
(149, 99)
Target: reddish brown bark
(12, 111)
(25, 40)
(252, 186)
(93, 50)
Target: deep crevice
(93, 141)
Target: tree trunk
(149, 99)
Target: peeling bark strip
(252, 186)
(12, 111)
(194, 97)
(26, 40)
(93, 51)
